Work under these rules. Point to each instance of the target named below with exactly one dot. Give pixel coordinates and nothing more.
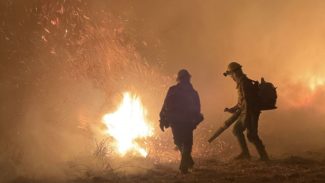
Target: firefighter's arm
(197, 103)
(198, 115)
(163, 123)
(235, 108)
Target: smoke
(280, 41)
(65, 63)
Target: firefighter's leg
(238, 131)
(187, 160)
(188, 148)
(177, 135)
(252, 135)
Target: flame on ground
(128, 124)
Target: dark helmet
(183, 75)
(232, 67)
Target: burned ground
(292, 169)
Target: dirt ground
(292, 169)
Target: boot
(263, 154)
(261, 150)
(244, 149)
(190, 162)
(186, 160)
(184, 165)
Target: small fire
(304, 92)
(128, 124)
(316, 82)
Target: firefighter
(182, 112)
(249, 112)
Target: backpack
(267, 95)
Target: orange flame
(128, 124)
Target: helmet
(232, 67)
(183, 74)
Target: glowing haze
(63, 61)
(128, 124)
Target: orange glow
(315, 82)
(305, 92)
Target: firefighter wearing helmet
(182, 112)
(249, 112)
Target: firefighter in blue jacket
(182, 112)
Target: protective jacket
(181, 105)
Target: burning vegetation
(66, 64)
(128, 124)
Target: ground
(292, 169)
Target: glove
(231, 110)
(198, 119)
(226, 109)
(162, 127)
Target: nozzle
(226, 73)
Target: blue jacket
(181, 106)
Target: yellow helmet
(232, 67)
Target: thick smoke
(280, 41)
(65, 63)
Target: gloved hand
(226, 109)
(230, 110)
(162, 127)
(198, 119)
